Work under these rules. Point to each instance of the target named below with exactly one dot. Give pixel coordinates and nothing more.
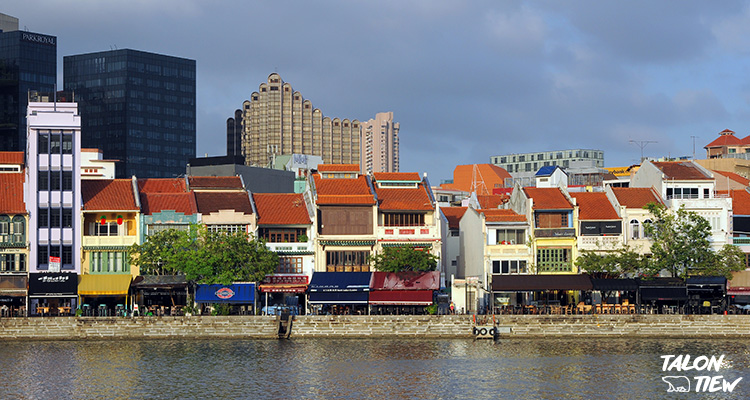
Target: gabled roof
(502, 215)
(108, 194)
(332, 191)
(463, 177)
(11, 157)
(402, 198)
(492, 200)
(680, 170)
(740, 202)
(396, 176)
(162, 185)
(547, 170)
(338, 168)
(453, 215)
(632, 197)
(184, 203)
(735, 177)
(548, 198)
(209, 202)
(11, 193)
(594, 206)
(281, 209)
(215, 182)
(726, 138)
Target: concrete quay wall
(371, 326)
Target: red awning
(282, 288)
(407, 280)
(401, 297)
(738, 291)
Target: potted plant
(302, 238)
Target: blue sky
(466, 79)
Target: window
(289, 265)
(635, 229)
(509, 267)
(44, 143)
(54, 217)
(281, 235)
(67, 255)
(403, 219)
(109, 262)
(67, 218)
(43, 254)
(226, 228)
(151, 229)
(12, 262)
(682, 193)
(67, 144)
(54, 180)
(43, 218)
(706, 193)
(4, 228)
(645, 232)
(511, 236)
(19, 229)
(54, 143)
(43, 180)
(554, 260)
(67, 180)
(106, 229)
(347, 261)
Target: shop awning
(53, 284)
(338, 297)
(340, 282)
(740, 284)
(13, 285)
(673, 289)
(608, 285)
(104, 285)
(401, 297)
(282, 288)
(408, 280)
(236, 293)
(528, 283)
(165, 282)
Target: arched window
(19, 229)
(635, 229)
(645, 224)
(4, 228)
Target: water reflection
(337, 369)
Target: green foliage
(729, 259)
(397, 259)
(205, 257)
(615, 264)
(431, 309)
(221, 309)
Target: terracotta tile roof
(453, 215)
(281, 209)
(492, 200)
(343, 191)
(152, 203)
(162, 185)
(726, 138)
(636, 197)
(208, 202)
(215, 182)
(548, 198)
(594, 206)
(405, 199)
(338, 168)
(463, 175)
(11, 193)
(502, 215)
(735, 177)
(740, 202)
(746, 140)
(11, 157)
(108, 194)
(680, 170)
(396, 176)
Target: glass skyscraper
(138, 107)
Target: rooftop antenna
(478, 184)
(693, 136)
(642, 144)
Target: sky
(466, 80)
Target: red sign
(389, 231)
(287, 279)
(406, 231)
(225, 293)
(424, 231)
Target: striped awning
(104, 285)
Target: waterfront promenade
(372, 326)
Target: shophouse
(630, 202)
(14, 246)
(599, 223)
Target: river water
(362, 368)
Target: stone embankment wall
(365, 326)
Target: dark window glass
(43, 255)
(67, 180)
(67, 218)
(67, 144)
(54, 251)
(44, 144)
(67, 255)
(54, 181)
(43, 180)
(54, 142)
(43, 218)
(54, 218)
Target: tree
(163, 252)
(729, 259)
(397, 259)
(616, 264)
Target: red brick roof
(548, 198)
(594, 206)
(502, 215)
(152, 203)
(11, 193)
(215, 182)
(281, 209)
(108, 194)
(740, 202)
(453, 215)
(338, 168)
(208, 202)
(726, 138)
(396, 176)
(680, 170)
(735, 177)
(343, 191)
(492, 200)
(11, 157)
(636, 197)
(162, 185)
(463, 176)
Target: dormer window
(397, 184)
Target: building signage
(225, 293)
(53, 284)
(287, 279)
(37, 38)
(54, 264)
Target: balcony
(407, 232)
(290, 247)
(555, 233)
(599, 242)
(95, 241)
(741, 240)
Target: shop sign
(225, 293)
(287, 279)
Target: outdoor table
(42, 310)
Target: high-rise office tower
(380, 144)
(234, 134)
(28, 62)
(278, 120)
(138, 107)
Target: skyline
(466, 80)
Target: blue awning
(234, 293)
(338, 297)
(340, 282)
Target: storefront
(239, 296)
(738, 289)
(548, 290)
(706, 294)
(663, 294)
(614, 291)
(13, 295)
(402, 292)
(339, 292)
(284, 293)
(104, 295)
(53, 293)
(159, 294)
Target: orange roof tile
(215, 182)
(338, 168)
(502, 215)
(208, 202)
(404, 199)
(740, 202)
(396, 176)
(735, 177)
(108, 194)
(11, 193)
(636, 197)
(343, 191)
(162, 185)
(746, 140)
(548, 198)
(726, 138)
(463, 176)
(281, 209)
(453, 215)
(492, 200)
(11, 157)
(152, 203)
(680, 170)
(594, 206)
